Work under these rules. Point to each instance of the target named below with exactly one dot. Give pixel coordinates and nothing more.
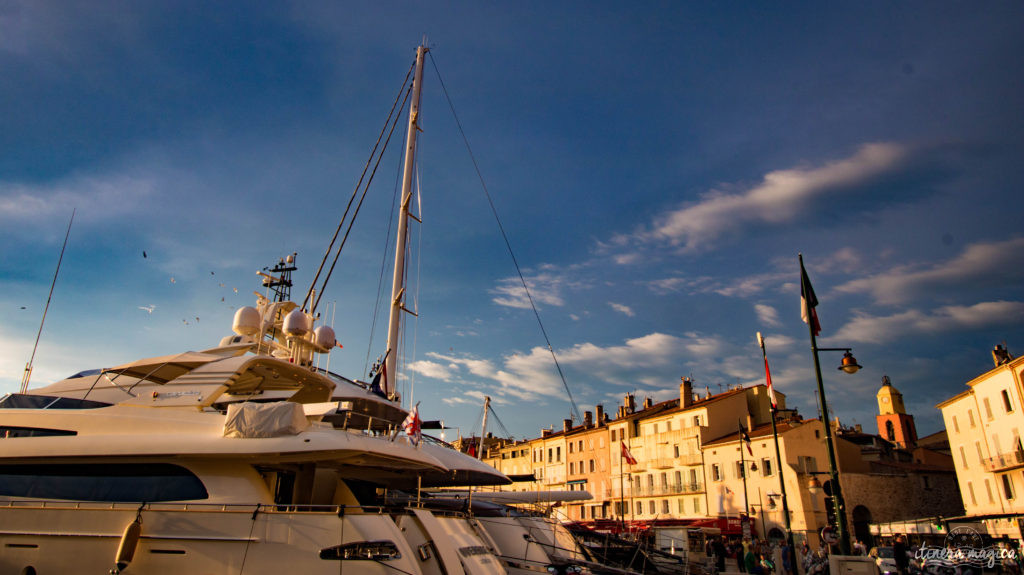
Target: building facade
(984, 425)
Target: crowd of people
(756, 557)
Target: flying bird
(148, 308)
(172, 281)
(144, 254)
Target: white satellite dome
(297, 323)
(247, 321)
(324, 338)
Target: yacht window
(25, 401)
(362, 550)
(8, 432)
(113, 482)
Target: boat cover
(250, 419)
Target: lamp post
(849, 365)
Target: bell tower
(894, 423)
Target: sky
(657, 168)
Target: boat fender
(129, 541)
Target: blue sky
(657, 166)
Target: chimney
(686, 392)
(648, 402)
(566, 424)
(630, 403)
(588, 419)
(600, 414)
(1001, 356)
(750, 422)
(545, 432)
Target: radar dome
(297, 323)
(247, 321)
(323, 337)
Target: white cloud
(432, 370)
(545, 288)
(980, 262)
(767, 315)
(781, 198)
(621, 308)
(531, 375)
(96, 197)
(878, 329)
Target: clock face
(885, 400)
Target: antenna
(28, 366)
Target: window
(696, 420)
(1006, 402)
(890, 431)
(591, 465)
(570, 447)
(981, 457)
(956, 426)
(639, 507)
(650, 481)
(558, 453)
(1007, 487)
(925, 482)
(664, 481)
(650, 506)
(580, 445)
(970, 490)
(696, 505)
(668, 426)
(572, 468)
(681, 505)
(988, 408)
(550, 453)
(963, 457)
(970, 417)
(679, 479)
(664, 506)
(739, 470)
(988, 490)
(11, 432)
(675, 450)
(368, 551)
(716, 472)
(113, 482)
(766, 468)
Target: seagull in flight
(148, 308)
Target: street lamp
(848, 365)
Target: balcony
(1005, 461)
(656, 491)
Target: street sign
(829, 535)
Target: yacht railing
(339, 510)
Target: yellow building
(984, 424)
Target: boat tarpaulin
(250, 419)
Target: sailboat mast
(398, 283)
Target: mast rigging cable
(508, 244)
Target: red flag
(771, 389)
(808, 301)
(627, 455)
(413, 426)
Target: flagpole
(837, 492)
(778, 455)
(622, 490)
(743, 469)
